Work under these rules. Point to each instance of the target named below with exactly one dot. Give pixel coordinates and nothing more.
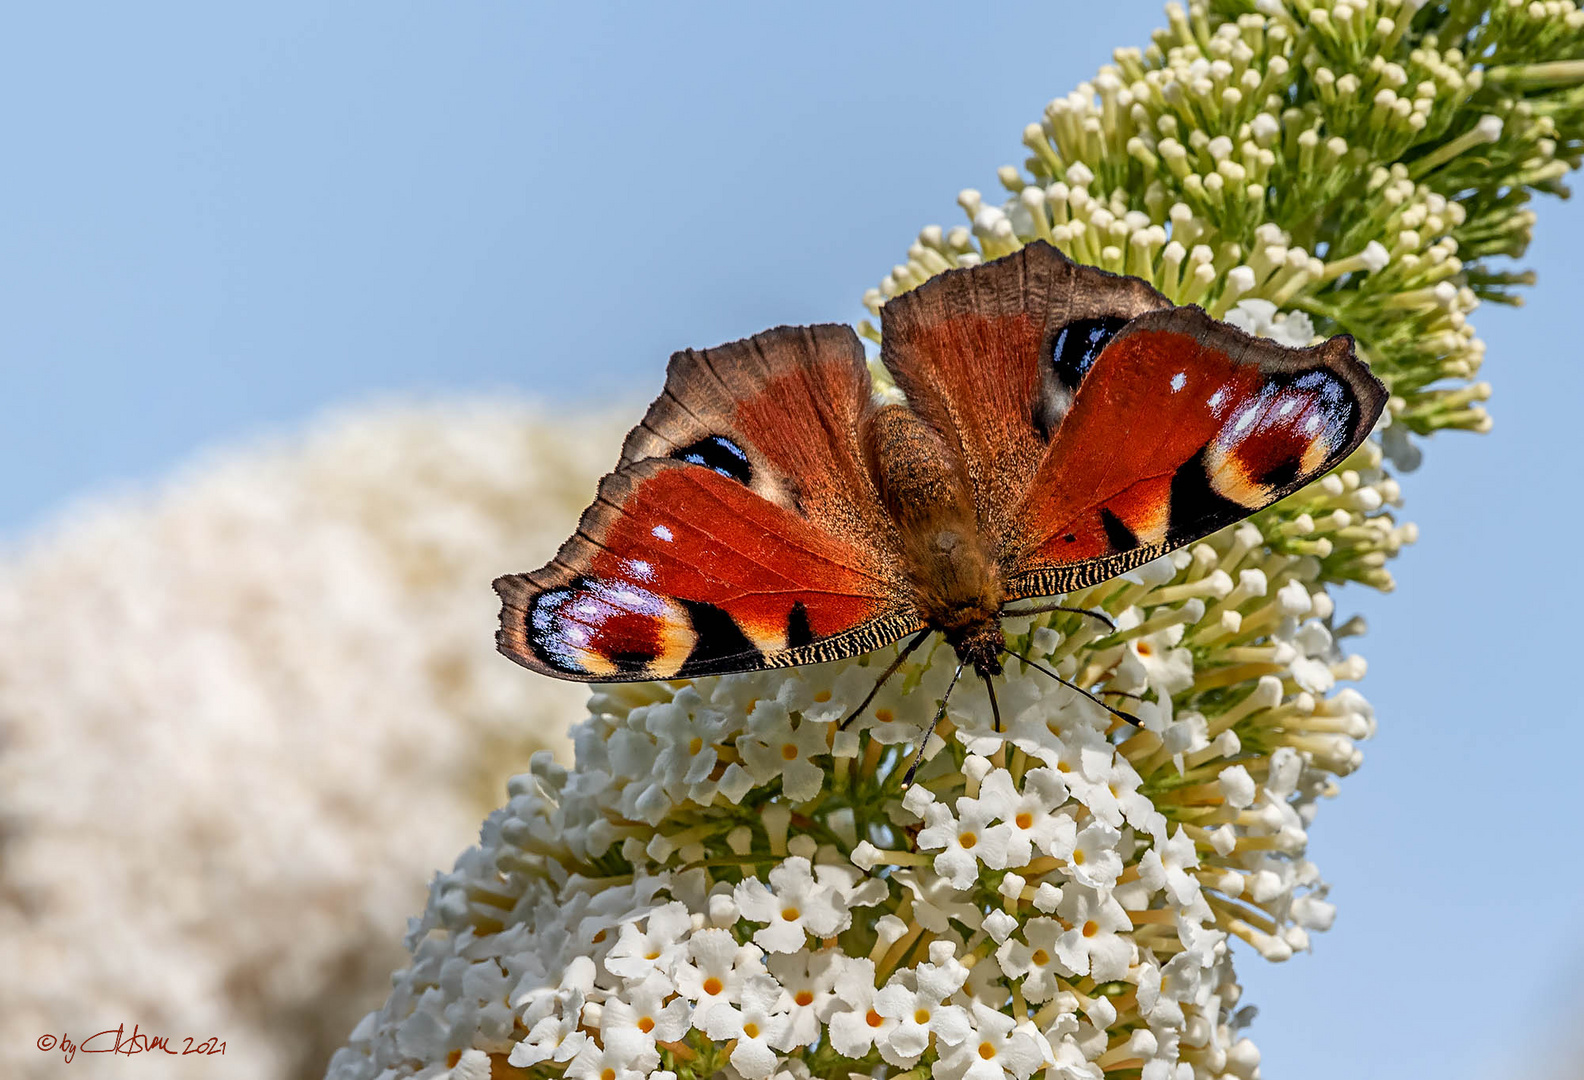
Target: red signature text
(118, 1040)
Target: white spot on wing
(1179, 380)
(626, 597)
(662, 533)
(1216, 398)
(640, 569)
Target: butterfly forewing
(740, 530)
(1185, 425)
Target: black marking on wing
(799, 632)
(1073, 352)
(541, 626)
(1118, 535)
(720, 454)
(1078, 345)
(721, 644)
(1197, 509)
(1281, 475)
(633, 661)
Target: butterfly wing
(740, 530)
(1058, 386)
(991, 356)
(1183, 426)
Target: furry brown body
(953, 572)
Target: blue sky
(223, 220)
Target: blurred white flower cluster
(245, 716)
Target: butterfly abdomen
(924, 486)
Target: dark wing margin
(1184, 426)
(740, 530)
(991, 356)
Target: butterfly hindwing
(740, 530)
(1183, 426)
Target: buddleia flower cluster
(730, 883)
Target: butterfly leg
(1128, 717)
(891, 669)
(923, 742)
(995, 708)
(1044, 608)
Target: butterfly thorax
(956, 582)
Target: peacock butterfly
(1063, 425)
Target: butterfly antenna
(995, 709)
(1128, 717)
(919, 757)
(1045, 608)
(907, 650)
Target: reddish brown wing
(740, 529)
(991, 357)
(1183, 426)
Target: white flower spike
(1065, 895)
